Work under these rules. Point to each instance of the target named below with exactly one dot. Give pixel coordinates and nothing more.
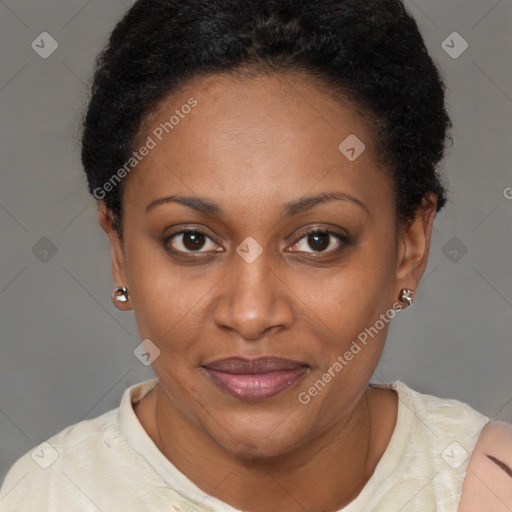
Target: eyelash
(345, 240)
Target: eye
(321, 241)
(190, 240)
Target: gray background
(66, 353)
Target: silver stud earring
(406, 295)
(120, 294)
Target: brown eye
(320, 241)
(190, 241)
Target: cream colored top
(110, 464)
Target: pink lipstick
(255, 379)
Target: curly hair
(372, 51)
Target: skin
(251, 145)
(488, 483)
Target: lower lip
(256, 387)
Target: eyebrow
(290, 209)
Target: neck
(325, 474)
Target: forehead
(261, 136)
(288, 103)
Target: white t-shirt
(110, 464)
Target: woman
(266, 173)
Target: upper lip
(243, 366)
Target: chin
(259, 437)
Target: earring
(120, 294)
(406, 295)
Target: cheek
(354, 296)
(169, 310)
(165, 298)
(353, 310)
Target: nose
(253, 300)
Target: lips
(261, 365)
(255, 379)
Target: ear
(106, 220)
(414, 244)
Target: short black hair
(371, 50)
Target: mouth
(255, 379)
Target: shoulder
(38, 473)
(90, 462)
(498, 430)
(478, 450)
(488, 482)
(443, 415)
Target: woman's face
(249, 155)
